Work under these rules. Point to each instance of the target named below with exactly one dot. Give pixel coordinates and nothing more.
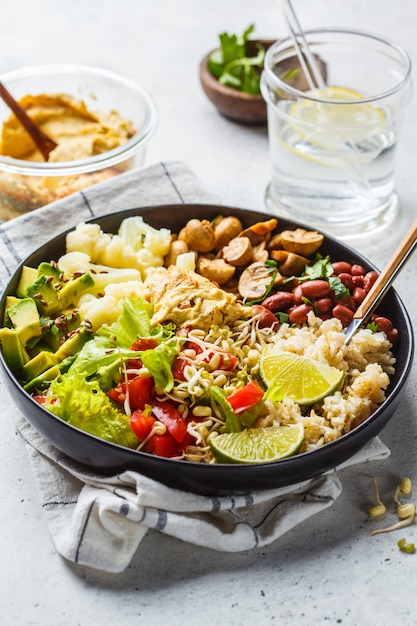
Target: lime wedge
(258, 445)
(302, 379)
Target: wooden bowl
(232, 103)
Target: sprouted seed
(405, 512)
(377, 509)
(402, 524)
(409, 548)
(405, 486)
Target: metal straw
(303, 51)
(360, 186)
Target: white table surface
(327, 570)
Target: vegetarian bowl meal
(202, 346)
(102, 123)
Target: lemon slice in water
(302, 379)
(258, 445)
(341, 120)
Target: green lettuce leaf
(159, 363)
(134, 322)
(83, 404)
(100, 360)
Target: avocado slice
(10, 301)
(27, 277)
(43, 291)
(73, 289)
(43, 380)
(51, 300)
(59, 327)
(24, 317)
(14, 353)
(49, 269)
(39, 364)
(73, 344)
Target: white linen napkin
(97, 520)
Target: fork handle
(388, 275)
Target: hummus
(188, 299)
(79, 133)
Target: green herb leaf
(231, 65)
(338, 287)
(322, 268)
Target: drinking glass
(333, 141)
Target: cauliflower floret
(119, 254)
(103, 275)
(106, 310)
(74, 262)
(88, 238)
(137, 234)
(137, 246)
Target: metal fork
(384, 281)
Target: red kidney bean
(279, 301)
(369, 279)
(359, 294)
(357, 270)
(298, 314)
(315, 289)
(348, 302)
(325, 316)
(343, 314)
(346, 280)
(267, 318)
(298, 295)
(383, 323)
(340, 267)
(392, 336)
(323, 305)
(357, 281)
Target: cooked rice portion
(367, 361)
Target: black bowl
(108, 458)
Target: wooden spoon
(44, 143)
(384, 281)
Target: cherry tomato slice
(141, 424)
(245, 398)
(168, 415)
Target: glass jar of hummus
(101, 122)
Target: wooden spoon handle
(388, 275)
(44, 143)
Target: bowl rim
(99, 161)
(216, 470)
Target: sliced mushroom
(260, 253)
(225, 229)
(216, 270)
(176, 248)
(261, 231)
(275, 242)
(199, 235)
(238, 252)
(289, 264)
(255, 279)
(301, 241)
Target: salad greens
(232, 66)
(79, 396)
(83, 404)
